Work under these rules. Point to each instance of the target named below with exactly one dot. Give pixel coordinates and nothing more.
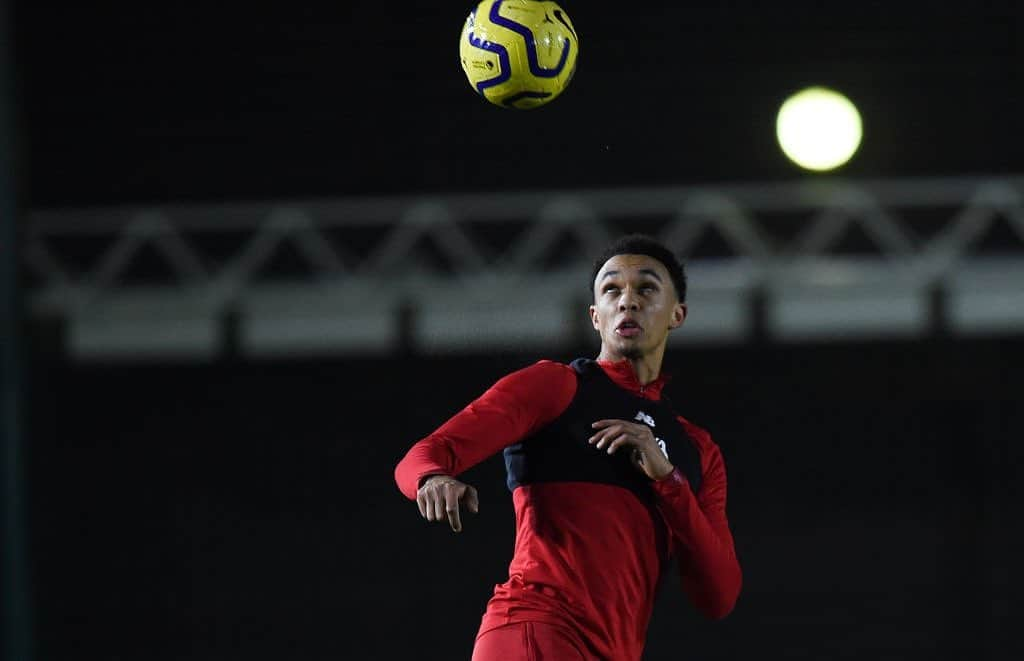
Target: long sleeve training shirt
(588, 557)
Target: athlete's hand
(439, 497)
(646, 455)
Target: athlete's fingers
(472, 501)
(438, 502)
(600, 439)
(617, 441)
(425, 505)
(451, 505)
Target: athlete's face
(635, 306)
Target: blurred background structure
(263, 250)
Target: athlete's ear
(593, 318)
(678, 316)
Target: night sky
(187, 102)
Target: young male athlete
(608, 482)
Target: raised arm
(707, 557)
(509, 411)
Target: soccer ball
(519, 53)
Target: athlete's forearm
(512, 409)
(707, 558)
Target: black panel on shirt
(560, 452)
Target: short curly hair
(642, 244)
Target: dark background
(153, 102)
(247, 509)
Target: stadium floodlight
(819, 129)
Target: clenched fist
(439, 498)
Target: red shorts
(527, 641)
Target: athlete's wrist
(426, 478)
(667, 471)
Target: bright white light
(818, 128)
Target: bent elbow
(405, 478)
(724, 600)
(718, 610)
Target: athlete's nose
(628, 301)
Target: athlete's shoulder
(700, 435)
(542, 376)
(553, 365)
(548, 369)
(711, 461)
(545, 388)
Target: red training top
(586, 556)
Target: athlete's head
(639, 290)
(641, 244)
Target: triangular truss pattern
(279, 225)
(560, 219)
(345, 244)
(432, 220)
(148, 227)
(851, 207)
(989, 203)
(710, 210)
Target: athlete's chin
(625, 347)
(633, 353)
(630, 350)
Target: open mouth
(628, 328)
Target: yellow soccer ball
(519, 53)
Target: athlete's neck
(646, 367)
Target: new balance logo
(644, 418)
(649, 421)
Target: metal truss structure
(817, 260)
